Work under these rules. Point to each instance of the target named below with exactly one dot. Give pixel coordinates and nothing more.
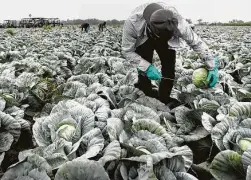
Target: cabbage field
(69, 110)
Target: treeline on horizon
(234, 22)
(115, 22)
(230, 24)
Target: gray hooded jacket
(134, 35)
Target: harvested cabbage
(200, 78)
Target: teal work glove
(213, 74)
(152, 73)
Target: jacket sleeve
(129, 39)
(196, 43)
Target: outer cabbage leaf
(208, 122)
(55, 154)
(34, 174)
(134, 169)
(111, 152)
(138, 111)
(184, 176)
(227, 165)
(27, 80)
(153, 127)
(68, 119)
(1, 157)
(89, 145)
(91, 65)
(187, 119)
(114, 128)
(128, 93)
(248, 173)
(23, 168)
(81, 169)
(153, 104)
(246, 159)
(221, 129)
(87, 79)
(9, 124)
(73, 87)
(6, 140)
(241, 109)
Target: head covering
(160, 21)
(163, 20)
(149, 10)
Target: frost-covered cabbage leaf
(10, 131)
(32, 167)
(74, 123)
(81, 169)
(68, 120)
(227, 165)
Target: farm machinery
(10, 24)
(39, 22)
(53, 21)
(35, 22)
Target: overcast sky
(208, 10)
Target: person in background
(85, 26)
(159, 27)
(101, 26)
(192, 26)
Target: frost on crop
(69, 109)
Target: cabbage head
(200, 78)
(245, 144)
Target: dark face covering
(162, 24)
(163, 34)
(166, 35)
(150, 33)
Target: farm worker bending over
(101, 26)
(85, 26)
(157, 26)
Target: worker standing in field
(101, 26)
(85, 26)
(157, 26)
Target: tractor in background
(31, 22)
(10, 24)
(39, 22)
(26, 23)
(53, 22)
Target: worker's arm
(185, 32)
(129, 39)
(195, 42)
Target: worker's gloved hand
(213, 74)
(153, 73)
